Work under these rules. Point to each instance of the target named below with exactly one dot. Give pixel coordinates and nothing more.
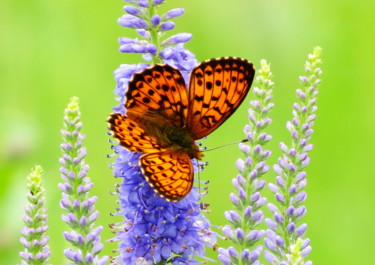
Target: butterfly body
(164, 118)
(167, 135)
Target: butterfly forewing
(217, 87)
(158, 91)
(169, 173)
(131, 135)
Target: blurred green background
(53, 50)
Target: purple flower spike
(248, 184)
(291, 175)
(153, 230)
(80, 209)
(151, 30)
(33, 236)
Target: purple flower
(248, 200)
(136, 46)
(79, 207)
(150, 28)
(131, 21)
(131, 10)
(33, 237)
(154, 230)
(176, 39)
(169, 25)
(174, 13)
(155, 20)
(288, 232)
(157, 2)
(180, 58)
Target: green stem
(155, 36)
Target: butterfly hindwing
(217, 87)
(158, 91)
(169, 173)
(131, 135)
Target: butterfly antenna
(242, 141)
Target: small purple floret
(174, 13)
(169, 25)
(157, 2)
(176, 39)
(131, 10)
(155, 20)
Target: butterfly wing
(169, 173)
(217, 87)
(131, 135)
(158, 92)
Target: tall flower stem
(155, 34)
(248, 200)
(33, 238)
(285, 238)
(79, 206)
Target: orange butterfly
(164, 118)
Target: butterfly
(164, 119)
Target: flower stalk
(33, 237)
(243, 229)
(80, 210)
(285, 236)
(153, 230)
